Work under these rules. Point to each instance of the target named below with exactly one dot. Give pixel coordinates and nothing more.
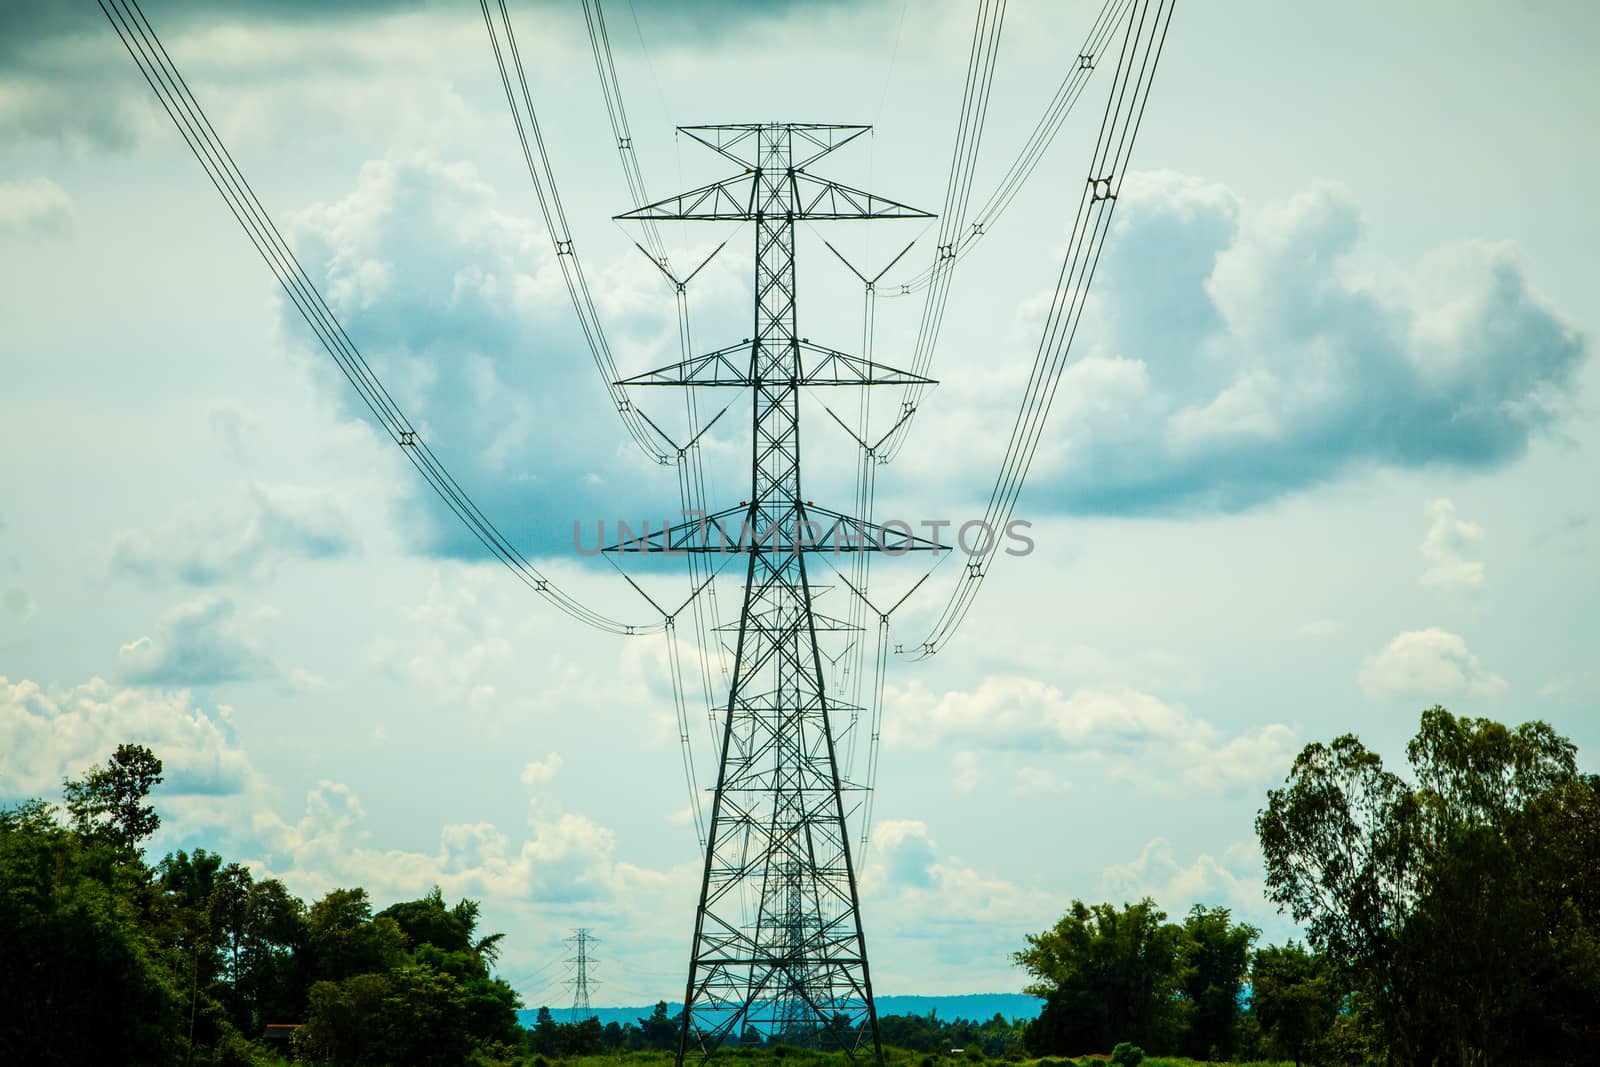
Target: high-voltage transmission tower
(581, 939)
(778, 948)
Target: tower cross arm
(822, 198)
(733, 199)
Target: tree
(543, 1036)
(429, 922)
(1294, 998)
(1106, 975)
(346, 940)
(109, 801)
(275, 969)
(1460, 911)
(85, 975)
(1216, 958)
(659, 1031)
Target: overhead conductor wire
(963, 238)
(537, 157)
(128, 20)
(958, 192)
(688, 457)
(1125, 103)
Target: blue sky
(1324, 456)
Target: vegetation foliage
(1451, 916)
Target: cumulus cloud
(1233, 355)
(906, 853)
(1124, 727)
(462, 311)
(452, 644)
(1448, 547)
(913, 892)
(1233, 880)
(538, 772)
(567, 858)
(279, 523)
(1430, 665)
(33, 206)
(47, 735)
(198, 642)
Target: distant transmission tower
(778, 945)
(580, 980)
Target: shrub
(1127, 1054)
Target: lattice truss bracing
(778, 946)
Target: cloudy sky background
(1325, 455)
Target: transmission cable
(963, 238)
(138, 36)
(1125, 103)
(689, 459)
(537, 158)
(958, 190)
(1038, 141)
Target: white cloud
(1125, 728)
(33, 206)
(1234, 880)
(47, 735)
(906, 854)
(1231, 356)
(453, 644)
(914, 894)
(198, 643)
(538, 772)
(568, 859)
(1430, 665)
(278, 524)
(1447, 548)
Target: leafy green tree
(275, 968)
(110, 801)
(346, 940)
(1106, 975)
(340, 1020)
(106, 960)
(1216, 958)
(1294, 997)
(85, 974)
(429, 922)
(582, 1038)
(542, 1035)
(660, 1031)
(1461, 909)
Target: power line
(537, 158)
(963, 239)
(689, 458)
(1125, 103)
(138, 36)
(958, 191)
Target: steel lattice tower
(778, 944)
(582, 939)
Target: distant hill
(965, 1006)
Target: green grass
(767, 1057)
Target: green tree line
(107, 959)
(1452, 917)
